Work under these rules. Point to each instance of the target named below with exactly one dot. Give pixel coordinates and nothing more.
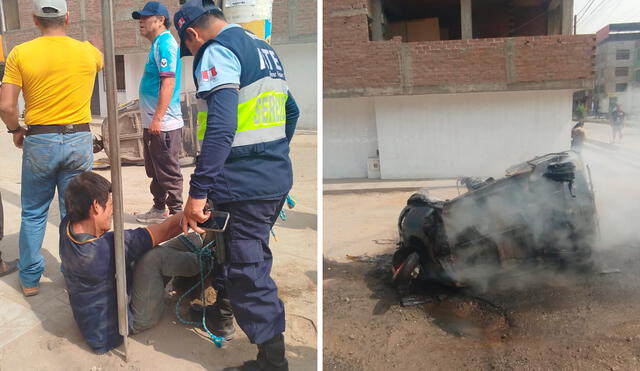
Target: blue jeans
(48, 161)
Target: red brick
(353, 65)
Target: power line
(604, 17)
(585, 8)
(594, 11)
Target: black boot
(220, 318)
(270, 356)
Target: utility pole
(116, 175)
(575, 24)
(3, 29)
(253, 15)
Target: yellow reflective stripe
(202, 124)
(265, 110)
(261, 118)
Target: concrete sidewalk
(39, 333)
(339, 186)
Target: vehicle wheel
(403, 269)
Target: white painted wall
(476, 134)
(133, 71)
(300, 65)
(350, 137)
(445, 135)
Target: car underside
(541, 212)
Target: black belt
(60, 129)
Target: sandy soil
(536, 320)
(45, 337)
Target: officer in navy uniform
(244, 167)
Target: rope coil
(205, 256)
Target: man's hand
(18, 138)
(194, 214)
(155, 126)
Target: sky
(603, 12)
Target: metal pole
(116, 176)
(3, 29)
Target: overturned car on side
(541, 212)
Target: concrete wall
(444, 135)
(350, 137)
(300, 63)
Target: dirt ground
(535, 320)
(39, 333)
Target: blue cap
(189, 12)
(151, 8)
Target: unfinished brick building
(446, 88)
(294, 37)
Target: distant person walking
(56, 74)
(577, 136)
(161, 114)
(617, 123)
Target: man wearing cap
(244, 167)
(56, 75)
(160, 113)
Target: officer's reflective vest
(258, 166)
(263, 89)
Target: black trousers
(161, 162)
(246, 275)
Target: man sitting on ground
(88, 262)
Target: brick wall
(294, 21)
(355, 66)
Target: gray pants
(173, 258)
(162, 164)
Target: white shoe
(153, 216)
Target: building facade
(618, 69)
(447, 88)
(293, 36)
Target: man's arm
(222, 122)
(9, 111)
(166, 230)
(293, 113)
(167, 84)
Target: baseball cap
(189, 12)
(151, 8)
(58, 8)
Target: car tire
(402, 268)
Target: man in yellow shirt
(56, 75)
